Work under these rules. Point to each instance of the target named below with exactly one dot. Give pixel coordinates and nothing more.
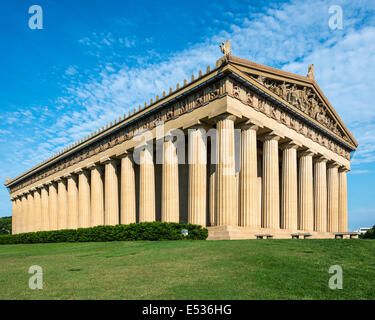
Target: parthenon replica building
(264, 152)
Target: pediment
(303, 94)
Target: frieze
(185, 105)
(304, 99)
(242, 93)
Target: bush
(370, 234)
(131, 232)
(5, 225)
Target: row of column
(313, 195)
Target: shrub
(5, 225)
(370, 234)
(131, 232)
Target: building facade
(263, 152)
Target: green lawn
(243, 269)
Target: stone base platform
(237, 233)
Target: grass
(242, 269)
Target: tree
(5, 225)
(370, 234)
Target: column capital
(225, 116)
(269, 136)
(106, 159)
(250, 124)
(291, 144)
(124, 154)
(332, 164)
(343, 169)
(68, 175)
(58, 179)
(320, 158)
(79, 170)
(306, 152)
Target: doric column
(97, 195)
(73, 222)
(146, 187)
(320, 194)
(52, 205)
(226, 201)
(212, 196)
(111, 205)
(62, 201)
(333, 201)
(83, 198)
(18, 215)
(249, 215)
(128, 204)
(23, 213)
(270, 183)
(30, 212)
(44, 208)
(14, 215)
(289, 191)
(37, 216)
(343, 201)
(306, 192)
(169, 194)
(197, 176)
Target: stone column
(73, 222)
(52, 205)
(62, 200)
(320, 194)
(14, 215)
(343, 201)
(83, 198)
(128, 204)
(146, 186)
(37, 210)
(97, 195)
(270, 182)
(289, 191)
(212, 197)
(44, 208)
(306, 192)
(225, 172)
(169, 194)
(111, 205)
(23, 213)
(333, 201)
(31, 213)
(249, 192)
(197, 201)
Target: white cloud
(290, 36)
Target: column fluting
(249, 214)
(306, 192)
(146, 186)
(62, 200)
(84, 205)
(97, 195)
(37, 210)
(52, 205)
(169, 195)
(73, 222)
(320, 195)
(128, 200)
(343, 200)
(289, 190)
(333, 201)
(226, 213)
(111, 201)
(44, 208)
(197, 197)
(270, 183)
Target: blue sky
(94, 60)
